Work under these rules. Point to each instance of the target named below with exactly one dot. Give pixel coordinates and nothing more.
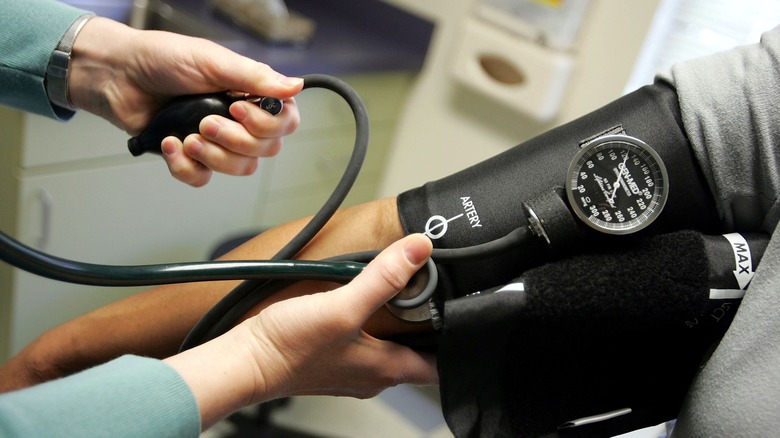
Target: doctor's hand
(311, 344)
(125, 75)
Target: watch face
(617, 184)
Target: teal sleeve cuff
(31, 31)
(128, 397)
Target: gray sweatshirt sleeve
(730, 106)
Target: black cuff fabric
(607, 333)
(483, 391)
(483, 202)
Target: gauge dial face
(617, 184)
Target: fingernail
(168, 148)
(193, 147)
(415, 252)
(290, 82)
(238, 111)
(210, 127)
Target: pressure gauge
(617, 184)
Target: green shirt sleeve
(31, 30)
(128, 397)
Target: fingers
(246, 75)
(386, 275)
(222, 145)
(314, 344)
(405, 365)
(229, 146)
(233, 146)
(274, 84)
(260, 124)
(255, 132)
(181, 166)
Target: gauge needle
(621, 167)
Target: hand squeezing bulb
(181, 117)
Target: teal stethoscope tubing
(56, 268)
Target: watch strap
(59, 65)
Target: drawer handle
(46, 202)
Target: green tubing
(46, 265)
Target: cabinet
(72, 190)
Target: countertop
(352, 36)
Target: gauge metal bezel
(658, 171)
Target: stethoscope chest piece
(412, 302)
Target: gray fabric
(730, 105)
(738, 391)
(731, 110)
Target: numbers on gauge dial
(617, 184)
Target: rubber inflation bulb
(181, 117)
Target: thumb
(256, 78)
(387, 274)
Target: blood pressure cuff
(596, 344)
(483, 202)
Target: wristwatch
(59, 65)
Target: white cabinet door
(132, 213)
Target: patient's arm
(154, 322)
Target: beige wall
(442, 131)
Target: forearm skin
(154, 323)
